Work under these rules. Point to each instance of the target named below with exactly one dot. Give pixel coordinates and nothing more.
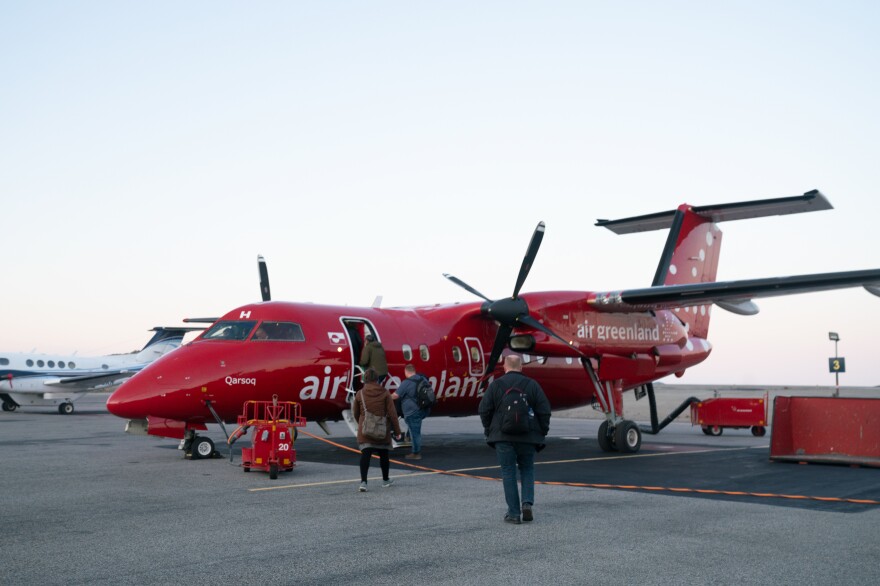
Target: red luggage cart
(274, 424)
(713, 415)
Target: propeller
(264, 278)
(513, 311)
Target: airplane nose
(122, 402)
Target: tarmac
(84, 503)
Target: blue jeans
(513, 455)
(414, 423)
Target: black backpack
(425, 397)
(514, 412)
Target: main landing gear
(9, 406)
(617, 434)
(65, 408)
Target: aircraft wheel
(273, 471)
(628, 437)
(9, 406)
(759, 431)
(65, 408)
(202, 447)
(715, 430)
(606, 440)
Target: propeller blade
(465, 286)
(529, 258)
(264, 278)
(533, 323)
(500, 342)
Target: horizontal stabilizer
(812, 201)
(672, 296)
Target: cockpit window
(279, 330)
(230, 330)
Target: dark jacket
(373, 356)
(379, 402)
(490, 415)
(407, 393)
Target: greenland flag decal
(337, 338)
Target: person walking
(373, 356)
(375, 399)
(412, 413)
(516, 443)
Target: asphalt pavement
(84, 503)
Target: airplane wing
(89, 382)
(735, 296)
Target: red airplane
(582, 347)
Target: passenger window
(4, 361)
(40, 363)
(456, 353)
(407, 352)
(71, 365)
(526, 358)
(29, 362)
(475, 355)
(51, 364)
(105, 367)
(60, 364)
(423, 352)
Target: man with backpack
(416, 399)
(516, 418)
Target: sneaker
(512, 520)
(387, 483)
(413, 456)
(362, 487)
(527, 512)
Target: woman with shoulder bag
(373, 409)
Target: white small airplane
(47, 380)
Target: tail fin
(163, 341)
(694, 244)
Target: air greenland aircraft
(48, 380)
(582, 347)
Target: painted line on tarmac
(628, 487)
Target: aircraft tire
(273, 471)
(606, 440)
(759, 431)
(9, 406)
(65, 408)
(202, 448)
(628, 437)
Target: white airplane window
(526, 358)
(456, 353)
(407, 352)
(275, 331)
(230, 330)
(40, 363)
(51, 364)
(423, 353)
(475, 355)
(4, 361)
(29, 362)
(60, 364)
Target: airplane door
(476, 361)
(356, 329)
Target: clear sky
(150, 150)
